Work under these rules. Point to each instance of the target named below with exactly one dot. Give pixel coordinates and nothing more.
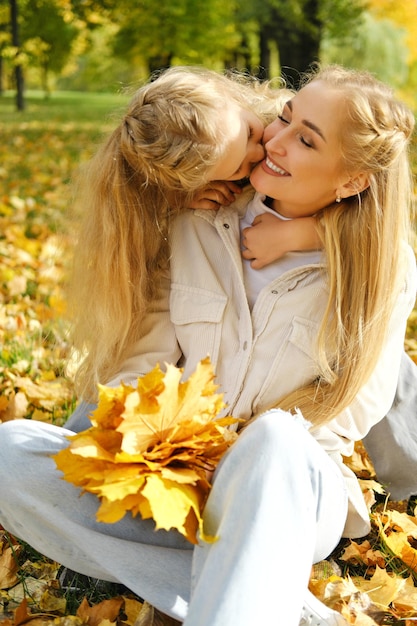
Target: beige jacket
(260, 355)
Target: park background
(67, 68)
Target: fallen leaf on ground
(105, 611)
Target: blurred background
(102, 45)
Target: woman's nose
(276, 144)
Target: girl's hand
(270, 238)
(216, 194)
(265, 241)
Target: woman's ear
(354, 185)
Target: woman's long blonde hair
(364, 238)
(160, 153)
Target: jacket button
(226, 226)
(274, 291)
(245, 345)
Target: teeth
(275, 168)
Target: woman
(338, 151)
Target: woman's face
(302, 170)
(244, 147)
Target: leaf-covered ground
(372, 581)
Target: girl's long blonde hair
(157, 157)
(364, 238)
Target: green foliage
(185, 31)
(376, 45)
(97, 69)
(98, 45)
(340, 17)
(44, 21)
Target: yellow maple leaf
(396, 531)
(174, 505)
(363, 553)
(406, 599)
(382, 588)
(150, 418)
(149, 449)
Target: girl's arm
(270, 238)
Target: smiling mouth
(275, 168)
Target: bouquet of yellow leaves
(149, 449)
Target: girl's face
(244, 149)
(302, 170)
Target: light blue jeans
(278, 504)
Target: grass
(60, 107)
(63, 129)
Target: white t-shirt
(256, 280)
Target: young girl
(281, 496)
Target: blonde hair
(363, 239)
(153, 162)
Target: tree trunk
(298, 50)
(45, 81)
(264, 54)
(18, 72)
(295, 60)
(298, 43)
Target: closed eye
(302, 139)
(283, 120)
(305, 142)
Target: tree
(4, 38)
(48, 37)
(378, 46)
(18, 70)
(184, 31)
(297, 28)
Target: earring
(338, 198)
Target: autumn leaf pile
(39, 152)
(372, 581)
(32, 335)
(150, 448)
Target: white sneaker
(315, 613)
